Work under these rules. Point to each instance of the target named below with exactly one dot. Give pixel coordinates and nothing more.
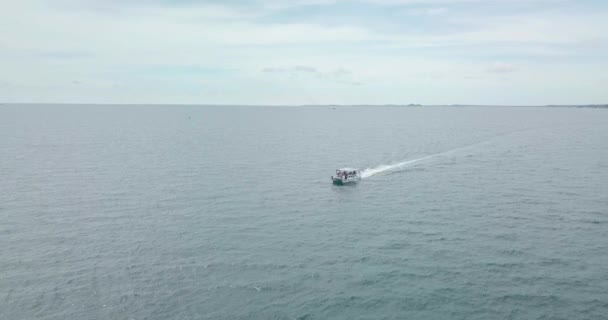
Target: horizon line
(411, 105)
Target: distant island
(333, 106)
(581, 106)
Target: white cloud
(432, 2)
(45, 47)
(501, 68)
(337, 75)
(432, 11)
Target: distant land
(457, 105)
(598, 106)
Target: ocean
(220, 212)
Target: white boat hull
(341, 181)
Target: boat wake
(412, 162)
(391, 167)
(366, 173)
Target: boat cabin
(346, 175)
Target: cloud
(273, 70)
(154, 49)
(433, 11)
(453, 2)
(61, 54)
(305, 69)
(341, 72)
(501, 68)
(338, 75)
(352, 83)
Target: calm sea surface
(184, 212)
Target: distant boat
(346, 175)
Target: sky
(300, 52)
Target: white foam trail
(408, 163)
(389, 167)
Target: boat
(346, 175)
